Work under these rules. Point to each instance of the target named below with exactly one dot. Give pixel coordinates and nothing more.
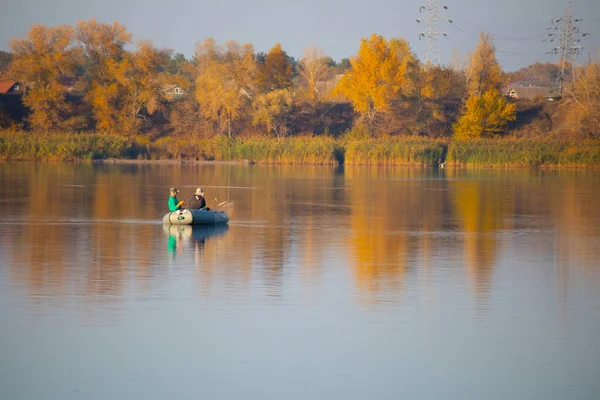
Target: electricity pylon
(568, 48)
(432, 53)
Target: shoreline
(125, 161)
(409, 151)
(163, 161)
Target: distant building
(525, 91)
(11, 87)
(173, 91)
(70, 84)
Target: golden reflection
(395, 213)
(483, 206)
(88, 229)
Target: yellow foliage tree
(484, 72)
(378, 75)
(40, 61)
(103, 46)
(275, 72)
(483, 115)
(313, 69)
(583, 101)
(224, 84)
(271, 110)
(138, 80)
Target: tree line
(383, 90)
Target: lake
(328, 283)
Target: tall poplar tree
(486, 110)
(484, 72)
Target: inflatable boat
(196, 217)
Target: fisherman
(196, 201)
(175, 204)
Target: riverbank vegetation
(321, 150)
(90, 95)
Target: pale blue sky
(518, 26)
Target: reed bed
(62, 146)
(524, 153)
(293, 150)
(394, 151)
(21, 145)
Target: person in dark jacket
(197, 200)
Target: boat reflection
(182, 238)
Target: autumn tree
(275, 72)
(441, 83)
(104, 48)
(101, 42)
(484, 72)
(486, 114)
(139, 79)
(486, 110)
(225, 81)
(583, 101)
(40, 61)
(272, 110)
(314, 69)
(439, 96)
(378, 75)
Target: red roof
(5, 86)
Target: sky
(517, 26)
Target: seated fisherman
(175, 204)
(196, 201)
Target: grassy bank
(304, 150)
(524, 153)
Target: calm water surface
(329, 283)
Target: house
(11, 87)
(530, 92)
(70, 84)
(173, 91)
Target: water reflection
(317, 261)
(191, 237)
(386, 224)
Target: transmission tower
(568, 37)
(432, 53)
